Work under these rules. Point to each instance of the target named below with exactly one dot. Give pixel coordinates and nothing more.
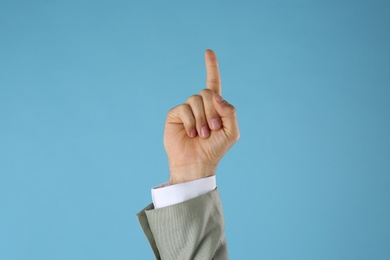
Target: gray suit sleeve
(193, 229)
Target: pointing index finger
(213, 79)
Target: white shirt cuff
(165, 195)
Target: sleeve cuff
(165, 195)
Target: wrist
(186, 173)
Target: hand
(199, 132)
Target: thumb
(228, 115)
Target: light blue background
(85, 87)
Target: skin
(201, 130)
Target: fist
(200, 131)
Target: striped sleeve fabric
(193, 229)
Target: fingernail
(219, 98)
(193, 133)
(204, 131)
(215, 124)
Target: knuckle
(232, 110)
(175, 109)
(237, 136)
(184, 107)
(206, 92)
(179, 109)
(194, 99)
(214, 80)
(172, 110)
(185, 111)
